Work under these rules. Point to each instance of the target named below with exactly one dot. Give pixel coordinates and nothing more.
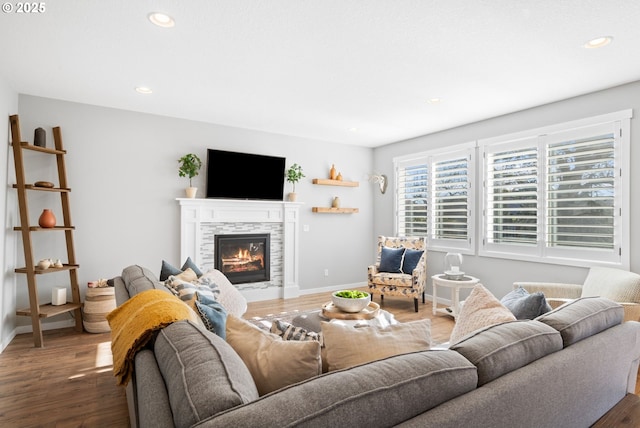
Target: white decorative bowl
(350, 305)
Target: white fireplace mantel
(195, 212)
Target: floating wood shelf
(329, 182)
(329, 210)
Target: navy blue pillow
(168, 270)
(411, 259)
(391, 260)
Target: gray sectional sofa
(564, 369)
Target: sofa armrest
(552, 289)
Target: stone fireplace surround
(202, 219)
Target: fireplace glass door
(243, 257)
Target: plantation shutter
(581, 191)
(512, 194)
(412, 197)
(450, 186)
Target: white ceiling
(319, 68)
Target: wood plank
(329, 182)
(331, 210)
(625, 414)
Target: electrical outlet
(305, 228)
(326, 272)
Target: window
(559, 194)
(435, 196)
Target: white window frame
(619, 256)
(468, 150)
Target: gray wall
(122, 169)
(496, 274)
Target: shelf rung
(39, 271)
(44, 189)
(27, 146)
(44, 229)
(49, 310)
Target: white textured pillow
(273, 363)
(347, 346)
(481, 309)
(232, 300)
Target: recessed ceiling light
(353, 129)
(598, 42)
(144, 90)
(434, 100)
(162, 20)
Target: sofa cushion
(273, 363)
(481, 309)
(137, 279)
(348, 346)
(168, 270)
(410, 260)
(232, 300)
(212, 313)
(525, 306)
(583, 317)
(503, 348)
(391, 259)
(185, 285)
(202, 373)
(378, 394)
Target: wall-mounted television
(235, 175)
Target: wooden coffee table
(311, 321)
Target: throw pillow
(391, 259)
(290, 332)
(348, 346)
(410, 260)
(273, 363)
(232, 300)
(212, 313)
(186, 284)
(168, 270)
(481, 309)
(525, 306)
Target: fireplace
(243, 257)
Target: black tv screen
(235, 175)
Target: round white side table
(455, 285)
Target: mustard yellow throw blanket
(134, 322)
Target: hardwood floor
(70, 383)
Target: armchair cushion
(615, 284)
(410, 260)
(391, 260)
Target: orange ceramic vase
(47, 219)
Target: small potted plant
(294, 174)
(190, 165)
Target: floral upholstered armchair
(400, 269)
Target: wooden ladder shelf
(36, 310)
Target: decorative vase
(336, 202)
(47, 219)
(191, 192)
(292, 196)
(39, 138)
(339, 177)
(332, 172)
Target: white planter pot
(292, 197)
(191, 192)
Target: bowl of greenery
(351, 301)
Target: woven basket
(98, 303)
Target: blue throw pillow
(168, 270)
(391, 260)
(212, 314)
(525, 306)
(410, 260)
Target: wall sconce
(381, 180)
